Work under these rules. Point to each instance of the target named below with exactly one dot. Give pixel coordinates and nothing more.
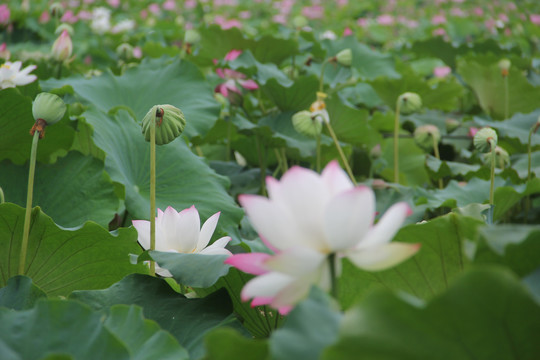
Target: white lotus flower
(181, 232)
(306, 218)
(11, 74)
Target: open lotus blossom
(307, 218)
(232, 77)
(11, 74)
(181, 232)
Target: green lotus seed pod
(48, 107)
(409, 103)
(344, 57)
(56, 9)
(170, 123)
(60, 29)
(502, 158)
(124, 51)
(307, 124)
(426, 136)
(299, 21)
(192, 36)
(375, 152)
(504, 64)
(451, 124)
(482, 139)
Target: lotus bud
(344, 57)
(192, 36)
(483, 138)
(62, 47)
(409, 103)
(451, 124)
(124, 51)
(307, 124)
(48, 107)
(426, 136)
(56, 9)
(502, 158)
(170, 123)
(300, 21)
(375, 152)
(504, 65)
(60, 29)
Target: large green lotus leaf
(518, 126)
(216, 43)
(369, 63)
(426, 274)
(16, 120)
(143, 338)
(226, 344)
(440, 169)
(532, 281)
(521, 164)
(247, 63)
(183, 179)
(194, 270)
(57, 327)
(299, 96)
(61, 260)
(20, 293)
(411, 162)
(310, 327)
(484, 76)
(72, 191)
(244, 180)
(361, 94)
(188, 320)
(506, 197)
(485, 314)
(154, 82)
(443, 95)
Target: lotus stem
(333, 275)
(2, 198)
(506, 98)
(438, 156)
(318, 154)
(396, 143)
(321, 77)
(492, 185)
(284, 157)
(29, 196)
(153, 193)
(341, 154)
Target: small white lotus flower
(307, 218)
(11, 74)
(181, 232)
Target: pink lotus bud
(62, 47)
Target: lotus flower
(306, 218)
(11, 74)
(181, 232)
(232, 78)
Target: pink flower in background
(535, 19)
(279, 19)
(342, 3)
(347, 31)
(478, 11)
(44, 17)
(458, 12)
(181, 232)
(313, 12)
(137, 52)
(4, 52)
(154, 8)
(169, 5)
(114, 3)
(143, 14)
(4, 14)
(472, 132)
(385, 19)
(190, 4)
(438, 19)
(84, 15)
(233, 78)
(244, 14)
(69, 17)
(227, 24)
(439, 32)
(503, 17)
(306, 218)
(362, 22)
(62, 47)
(232, 55)
(441, 71)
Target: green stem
(438, 156)
(2, 198)
(506, 97)
(396, 143)
(318, 154)
(529, 151)
(493, 158)
(340, 151)
(321, 78)
(284, 158)
(262, 166)
(333, 276)
(59, 70)
(30, 193)
(153, 193)
(228, 147)
(280, 162)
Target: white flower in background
(123, 26)
(101, 20)
(328, 34)
(181, 232)
(307, 218)
(11, 74)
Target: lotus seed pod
(451, 124)
(504, 65)
(344, 57)
(305, 123)
(482, 139)
(375, 152)
(502, 158)
(426, 136)
(170, 123)
(409, 103)
(48, 107)
(192, 36)
(124, 51)
(300, 21)
(60, 29)
(56, 9)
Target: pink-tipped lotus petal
(348, 217)
(222, 89)
(217, 248)
(232, 55)
(295, 261)
(207, 230)
(252, 263)
(220, 73)
(284, 310)
(294, 292)
(335, 179)
(143, 230)
(259, 301)
(266, 285)
(187, 232)
(387, 227)
(382, 257)
(249, 84)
